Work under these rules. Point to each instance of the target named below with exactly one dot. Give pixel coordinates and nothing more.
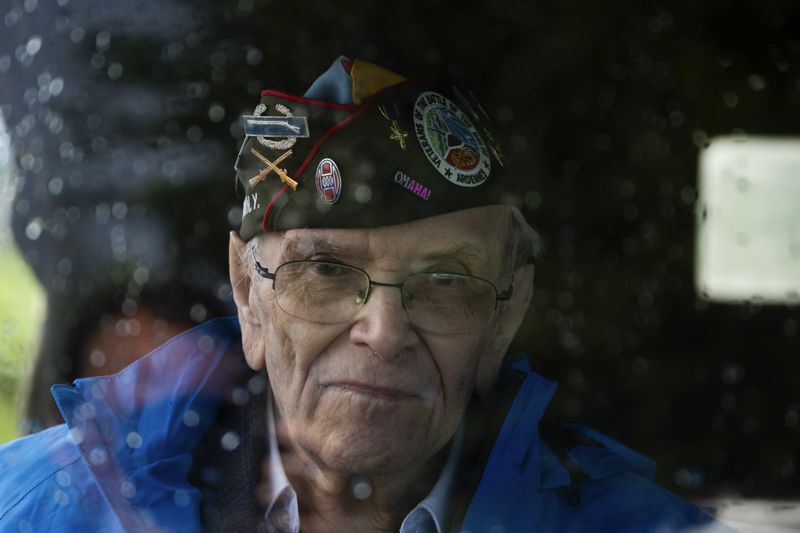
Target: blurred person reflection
(118, 166)
(113, 330)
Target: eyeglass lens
(329, 293)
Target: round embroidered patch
(450, 141)
(329, 181)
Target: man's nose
(382, 324)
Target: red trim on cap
(347, 65)
(271, 206)
(308, 101)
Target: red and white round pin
(329, 181)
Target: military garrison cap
(365, 147)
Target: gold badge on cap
(390, 113)
(272, 166)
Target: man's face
(376, 394)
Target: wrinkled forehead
(476, 236)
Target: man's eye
(328, 269)
(443, 280)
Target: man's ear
(517, 306)
(252, 333)
(507, 325)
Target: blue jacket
(122, 460)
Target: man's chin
(370, 450)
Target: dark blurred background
(124, 118)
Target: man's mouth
(369, 390)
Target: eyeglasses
(438, 302)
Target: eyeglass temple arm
(506, 294)
(263, 272)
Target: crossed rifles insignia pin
(276, 132)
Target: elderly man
(379, 276)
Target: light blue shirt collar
(429, 515)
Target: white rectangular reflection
(6, 186)
(748, 220)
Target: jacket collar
(518, 456)
(151, 414)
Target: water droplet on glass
(362, 488)
(97, 61)
(230, 441)
(33, 45)
(61, 498)
(63, 478)
(254, 56)
(97, 456)
(235, 216)
(102, 41)
(119, 210)
(194, 134)
(240, 397)
(191, 418)
(792, 417)
(363, 193)
(169, 168)
(133, 440)
(127, 489)
(198, 312)
(77, 435)
(114, 71)
(141, 275)
(257, 385)
(731, 99)
(205, 343)
(77, 35)
(56, 86)
(216, 112)
(756, 82)
(34, 229)
(55, 186)
(181, 498)
(11, 18)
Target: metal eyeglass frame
(265, 273)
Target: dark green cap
(380, 151)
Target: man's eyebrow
(309, 246)
(456, 251)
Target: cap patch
(329, 181)
(291, 127)
(255, 126)
(412, 185)
(450, 141)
